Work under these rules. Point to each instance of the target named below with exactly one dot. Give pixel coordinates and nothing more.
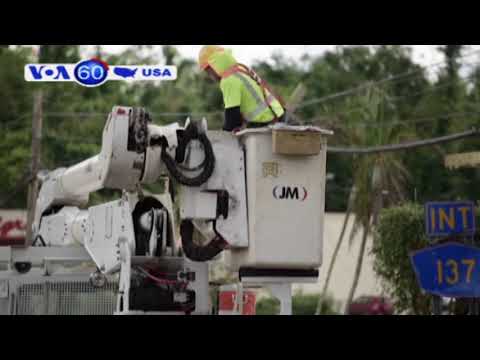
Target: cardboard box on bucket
(288, 142)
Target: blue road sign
(451, 270)
(449, 218)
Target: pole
(37, 123)
(437, 305)
(474, 306)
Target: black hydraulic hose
(198, 253)
(191, 133)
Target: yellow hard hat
(205, 54)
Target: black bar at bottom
(250, 272)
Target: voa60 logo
(91, 72)
(95, 72)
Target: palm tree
(322, 299)
(379, 180)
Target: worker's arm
(233, 119)
(232, 97)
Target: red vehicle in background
(371, 305)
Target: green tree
(400, 231)
(443, 106)
(350, 68)
(15, 119)
(302, 304)
(452, 54)
(379, 180)
(321, 305)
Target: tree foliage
(400, 231)
(302, 304)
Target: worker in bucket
(249, 102)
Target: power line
(403, 97)
(95, 115)
(375, 83)
(427, 91)
(335, 150)
(405, 146)
(436, 87)
(426, 119)
(364, 151)
(459, 115)
(105, 115)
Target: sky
(247, 53)
(423, 54)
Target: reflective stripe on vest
(261, 104)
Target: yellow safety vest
(242, 87)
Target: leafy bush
(268, 306)
(301, 305)
(400, 231)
